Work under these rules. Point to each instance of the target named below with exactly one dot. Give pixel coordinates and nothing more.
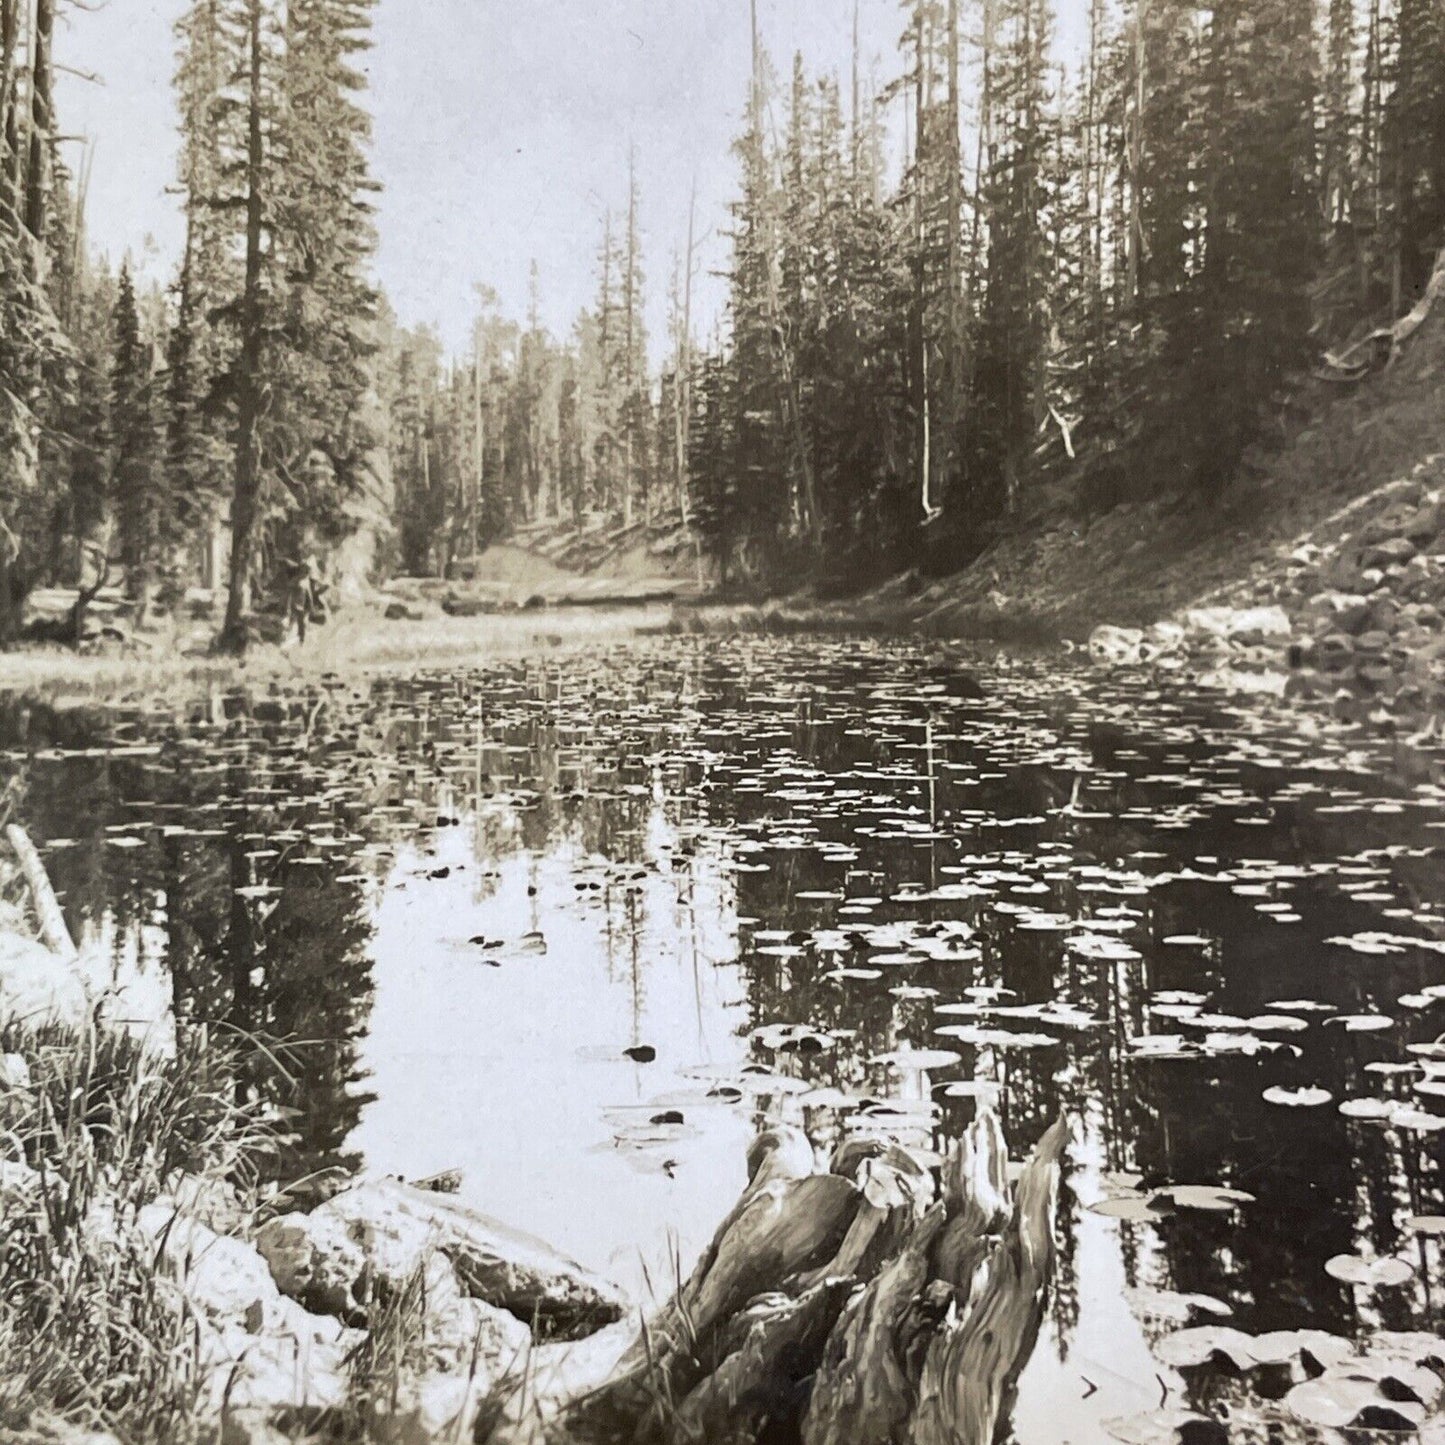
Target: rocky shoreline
(1350, 615)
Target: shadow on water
(573, 927)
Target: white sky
(502, 131)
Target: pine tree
(137, 484)
(1414, 146)
(196, 453)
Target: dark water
(853, 885)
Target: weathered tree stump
(868, 1305)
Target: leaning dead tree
(1382, 346)
(874, 1304)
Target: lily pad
(1369, 1273)
(1306, 1098)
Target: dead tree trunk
(869, 1305)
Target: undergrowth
(93, 1328)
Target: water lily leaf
(1362, 1023)
(1337, 1402)
(1417, 1121)
(1306, 1098)
(1187, 1349)
(1132, 1208)
(1207, 1196)
(1157, 1427)
(1432, 1225)
(1176, 1308)
(1368, 1273)
(918, 1059)
(1368, 1108)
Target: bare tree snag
(848, 1307)
(1388, 339)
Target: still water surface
(574, 925)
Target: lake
(573, 925)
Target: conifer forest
(994, 274)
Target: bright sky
(502, 132)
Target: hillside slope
(1062, 575)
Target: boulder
(459, 1328)
(398, 1226)
(1425, 524)
(1119, 646)
(1162, 640)
(225, 1277)
(1242, 623)
(38, 986)
(1351, 612)
(294, 1361)
(260, 1351)
(314, 1259)
(1394, 552)
(1335, 651)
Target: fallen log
(47, 906)
(838, 1308)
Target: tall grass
(94, 1329)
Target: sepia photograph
(722, 722)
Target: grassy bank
(359, 639)
(93, 1333)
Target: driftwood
(869, 1305)
(47, 906)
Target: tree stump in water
(868, 1305)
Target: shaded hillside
(1061, 574)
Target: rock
(259, 1350)
(211, 1202)
(38, 986)
(1238, 622)
(297, 1361)
(398, 1226)
(1119, 646)
(1372, 643)
(1351, 613)
(1377, 676)
(468, 607)
(224, 1276)
(400, 612)
(1395, 552)
(1163, 639)
(17, 1181)
(1425, 524)
(314, 1259)
(1336, 651)
(459, 1329)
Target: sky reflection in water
(854, 885)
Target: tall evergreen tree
(137, 484)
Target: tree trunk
(249, 399)
(9, 128)
(1135, 245)
(42, 119)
